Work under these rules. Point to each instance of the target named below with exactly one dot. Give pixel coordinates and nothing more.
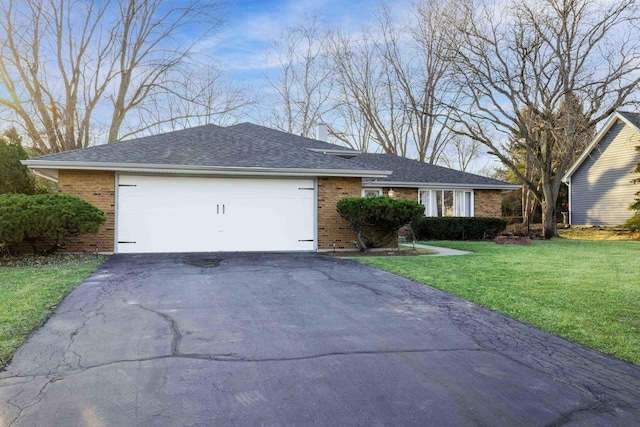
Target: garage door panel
(183, 214)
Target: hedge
(457, 228)
(44, 221)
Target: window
(371, 192)
(447, 202)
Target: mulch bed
(513, 240)
(35, 260)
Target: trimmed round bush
(457, 228)
(376, 220)
(44, 221)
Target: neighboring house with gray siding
(600, 188)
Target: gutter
(441, 186)
(197, 170)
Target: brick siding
(332, 228)
(97, 188)
(487, 203)
(403, 193)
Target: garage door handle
(222, 209)
(218, 209)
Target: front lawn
(31, 289)
(585, 291)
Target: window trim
(379, 190)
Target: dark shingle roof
(207, 145)
(251, 146)
(632, 117)
(265, 132)
(413, 171)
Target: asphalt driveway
(297, 339)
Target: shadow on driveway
(297, 339)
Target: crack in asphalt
(603, 387)
(173, 327)
(233, 357)
(523, 354)
(41, 395)
(469, 322)
(596, 408)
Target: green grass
(31, 289)
(585, 291)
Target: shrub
(457, 228)
(633, 223)
(44, 221)
(376, 220)
(14, 176)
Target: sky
(242, 43)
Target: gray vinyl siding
(601, 188)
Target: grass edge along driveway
(584, 291)
(31, 289)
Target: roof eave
(203, 170)
(443, 186)
(608, 124)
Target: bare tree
(148, 50)
(301, 82)
(364, 91)
(200, 94)
(50, 82)
(352, 129)
(568, 63)
(460, 153)
(396, 77)
(63, 60)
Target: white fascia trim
(441, 186)
(587, 152)
(203, 170)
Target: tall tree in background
(395, 77)
(61, 61)
(460, 153)
(199, 95)
(570, 63)
(301, 83)
(14, 176)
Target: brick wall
(332, 228)
(97, 188)
(403, 193)
(487, 203)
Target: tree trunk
(526, 219)
(550, 227)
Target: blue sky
(242, 43)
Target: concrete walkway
(440, 251)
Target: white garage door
(185, 214)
